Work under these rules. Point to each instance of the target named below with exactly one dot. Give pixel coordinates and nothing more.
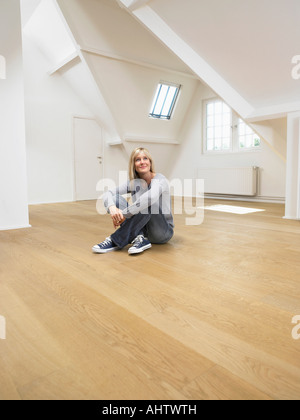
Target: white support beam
(63, 63)
(292, 208)
(13, 179)
(154, 140)
(133, 4)
(136, 4)
(129, 60)
(103, 112)
(2, 67)
(273, 112)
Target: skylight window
(164, 101)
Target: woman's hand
(117, 216)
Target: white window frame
(234, 132)
(172, 106)
(249, 133)
(205, 128)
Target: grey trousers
(153, 226)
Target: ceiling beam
(64, 62)
(134, 4)
(273, 112)
(129, 60)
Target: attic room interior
(211, 88)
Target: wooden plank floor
(207, 316)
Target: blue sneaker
(105, 246)
(140, 244)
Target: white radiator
(229, 181)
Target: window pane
(218, 126)
(218, 107)
(210, 121)
(226, 119)
(226, 143)
(164, 101)
(218, 132)
(210, 144)
(226, 131)
(247, 138)
(160, 100)
(210, 133)
(242, 128)
(218, 120)
(210, 109)
(218, 144)
(169, 100)
(257, 141)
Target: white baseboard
(14, 227)
(257, 199)
(39, 203)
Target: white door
(88, 149)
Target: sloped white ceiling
(241, 49)
(43, 25)
(105, 27)
(27, 9)
(127, 63)
(249, 43)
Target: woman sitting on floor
(148, 220)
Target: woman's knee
(160, 239)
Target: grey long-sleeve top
(156, 196)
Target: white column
(292, 207)
(13, 176)
(2, 67)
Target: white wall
(59, 85)
(190, 156)
(292, 208)
(117, 51)
(115, 160)
(128, 89)
(50, 105)
(127, 63)
(51, 102)
(13, 176)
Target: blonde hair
(132, 172)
